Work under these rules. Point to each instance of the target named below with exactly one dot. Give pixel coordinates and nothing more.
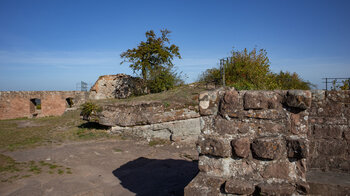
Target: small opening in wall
(36, 103)
(35, 106)
(70, 102)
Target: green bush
(89, 108)
(250, 70)
(38, 107)
(163, 79)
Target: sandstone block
(231, 103)
(208, 102)
(278, 170)
(267, 148)
(224, 126)
(255, 100)
(332, 147)
(328, 131)
(299, 123)
(297, 148)
(214, 146)
(204, 185)
(298, 99)
(239, 187)
(241, 147)
(268, 114)
(276, 189)
(328, 108)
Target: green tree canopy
(152, 55)
(250, 70)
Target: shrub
(250, 70)
(89, 108)
(163, 79)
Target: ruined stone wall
(151, 120)
(329, 132)
(252, 142)
(118, 86)
(18, 104)
(262, 142)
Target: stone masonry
(118, 86)
(151, 119)
(252, 142)
(329, 132)
(19, 104)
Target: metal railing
(334, 82)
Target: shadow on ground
(93, 125)
(156, 177)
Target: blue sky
(53, 44)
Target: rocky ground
(108, 167)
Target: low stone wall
(18, 104)
(329, 131)
(252, 142)
(186, 130)
(151, 120)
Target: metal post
(223, 76)
(326, 84)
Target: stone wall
(18, 104)
(118, 86)
(252, 142)
(329, 132)
(262, 142)
(151, 120)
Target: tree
(152, 56)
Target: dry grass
(24, 133)
(180, 97)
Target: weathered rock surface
(180, 130)
(118, 86)
(146, 113)
(239, 187)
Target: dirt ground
(107, 167)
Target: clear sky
(53, 44)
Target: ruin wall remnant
(119, 86)
(18, 104)
(261, 142)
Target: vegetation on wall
(153, 58)
(248, 70)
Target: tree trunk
(144, 73)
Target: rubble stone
(298, 99)
(276, 189)
(214, 146)
(239, 187)
(297, 148)
(267, 148)
(241, 147)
